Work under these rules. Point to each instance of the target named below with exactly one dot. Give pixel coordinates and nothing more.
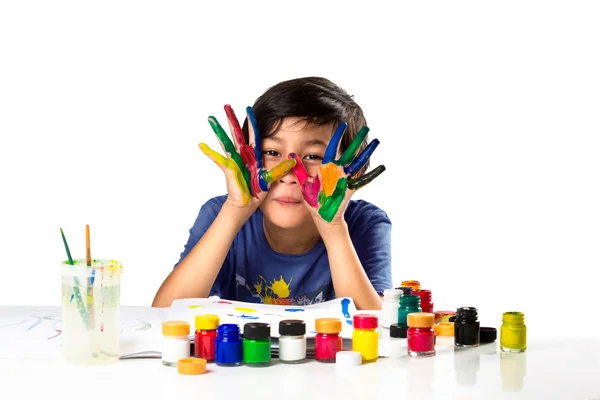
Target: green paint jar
(257, 344)
(409, 303)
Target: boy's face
(284, 205)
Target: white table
(549, 369)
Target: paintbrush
(76, 291)
(90, 281)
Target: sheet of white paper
(237, 312)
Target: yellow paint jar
(365, 338)
(513, 332)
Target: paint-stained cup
(91, 311)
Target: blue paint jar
(229, 349)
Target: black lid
(452, 318)
(487, 334)
(398, 331)
(292, 327)
(257, 330)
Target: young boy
(287, 232)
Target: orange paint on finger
(330, 175)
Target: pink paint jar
(327, 340)
(420, 334)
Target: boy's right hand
(247, 180)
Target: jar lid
(420, 320)
(443, 316)
(292, 327)
(444, 329)
(191, 366)
(487, 334)
(412, 284)
(257, 330)
(348, 359)
(365, 321)
(398, 331)
(328, 325)
(207, 321)
(176, 328)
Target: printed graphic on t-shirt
(275, 290)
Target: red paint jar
(420, 334)
(327, 340)
(426, 303)
(205, 336)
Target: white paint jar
(176, 344)
(292, 341)
(389, 308)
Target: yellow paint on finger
(330, 175)
(280, 170)
(232, 166)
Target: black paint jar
(466, 327)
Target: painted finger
(362, 180)
(217, 158)
(348, 155)
(234, 125)
(229, 148)
(332, 147)
(311, 190)
(227, 164)
(224, 140)
(299, 169)
(266, 177)
(329, 205)
(362, 158)
(253, 132)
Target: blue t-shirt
(253, 272)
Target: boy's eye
(271, 153)
(313, 157)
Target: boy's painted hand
(336, 181)
(246, 178)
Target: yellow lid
(444, 329)
(207, 322)
(176, 328)
(420, 320)
(191, 366)
(328, 325)
(416, 285)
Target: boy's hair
(318, 100)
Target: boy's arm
(347, 273)
(196, 274)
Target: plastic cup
(91, 311)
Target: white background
(488, 117)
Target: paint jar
(90, 311)
(229, 348)
(389, 308)
(365, 338)
(513, 332)
(466, 327)
(205, 336)
(397, 342)
(409, 303)
(425, 296)
(257, 344)
(327, 340)
(415, 285)
(292, 341)
(421, 337)
(175, 344)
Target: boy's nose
(289, 178)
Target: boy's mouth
(287, 201)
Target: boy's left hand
(328, 193)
